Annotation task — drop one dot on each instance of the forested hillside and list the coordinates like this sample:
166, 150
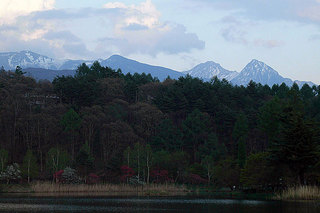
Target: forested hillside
187, 131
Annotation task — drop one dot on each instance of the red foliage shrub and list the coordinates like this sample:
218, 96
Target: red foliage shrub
160, 176
93, 178
196, 179
126, 172
58, 176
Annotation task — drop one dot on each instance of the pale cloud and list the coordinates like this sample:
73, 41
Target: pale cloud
138, 29
36, 34
268, 43
271, 10
312, 13
126, 29
172, 39
237, 30
315, 37
11, 9
234, 34
113, 5
143, 14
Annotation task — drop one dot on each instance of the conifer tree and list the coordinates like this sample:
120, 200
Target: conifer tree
298, 143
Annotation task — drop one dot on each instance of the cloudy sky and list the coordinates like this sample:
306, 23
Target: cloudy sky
177, 34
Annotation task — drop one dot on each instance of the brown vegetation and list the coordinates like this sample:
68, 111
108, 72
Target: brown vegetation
299, 193
156, 189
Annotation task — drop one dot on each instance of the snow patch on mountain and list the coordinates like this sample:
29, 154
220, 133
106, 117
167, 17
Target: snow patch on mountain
256, 71
27, 59
260, 72
210, 69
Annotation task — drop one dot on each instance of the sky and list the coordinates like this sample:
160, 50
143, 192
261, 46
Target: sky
177, 34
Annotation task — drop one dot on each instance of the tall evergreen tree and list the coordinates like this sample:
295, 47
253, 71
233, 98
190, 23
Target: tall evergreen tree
168, 137
240, 131
71, 122
195, 130
298, 143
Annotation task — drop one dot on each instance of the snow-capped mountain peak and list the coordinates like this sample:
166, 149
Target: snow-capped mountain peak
210, 69
259, 72
256, 70
26, 59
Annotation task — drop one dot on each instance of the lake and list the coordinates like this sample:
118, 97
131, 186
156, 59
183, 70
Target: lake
149, 204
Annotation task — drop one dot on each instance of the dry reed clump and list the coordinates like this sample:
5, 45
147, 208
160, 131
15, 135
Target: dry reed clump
299, 193
46, 187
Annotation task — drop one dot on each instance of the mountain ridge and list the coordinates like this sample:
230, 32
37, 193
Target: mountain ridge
40, 66
210, 69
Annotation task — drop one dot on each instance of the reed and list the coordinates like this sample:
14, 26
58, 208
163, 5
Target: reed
299, 193
47, 187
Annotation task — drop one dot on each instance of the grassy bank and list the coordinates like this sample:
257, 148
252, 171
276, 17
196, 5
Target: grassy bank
299, 193
54, 188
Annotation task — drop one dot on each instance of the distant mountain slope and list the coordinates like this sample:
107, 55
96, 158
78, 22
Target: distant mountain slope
210, 69
46, 74
26, 59
49, 68
259, 72
71, 64
128, 65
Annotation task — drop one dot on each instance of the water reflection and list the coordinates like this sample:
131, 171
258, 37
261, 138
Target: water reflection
146, 204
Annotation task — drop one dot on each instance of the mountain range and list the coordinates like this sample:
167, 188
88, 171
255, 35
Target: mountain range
43, 67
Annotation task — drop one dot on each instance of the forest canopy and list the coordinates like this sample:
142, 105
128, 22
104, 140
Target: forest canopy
187, 130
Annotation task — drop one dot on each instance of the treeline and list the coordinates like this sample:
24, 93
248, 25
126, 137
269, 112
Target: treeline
187, 131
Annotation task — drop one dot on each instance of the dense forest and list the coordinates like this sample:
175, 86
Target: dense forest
118, 127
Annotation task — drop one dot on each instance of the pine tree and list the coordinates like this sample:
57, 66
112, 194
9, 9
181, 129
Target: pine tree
239, 134
242, 154
71, 122
298, 143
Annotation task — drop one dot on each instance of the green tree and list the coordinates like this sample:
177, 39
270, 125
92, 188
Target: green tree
57, 160
298, 143
30, 167
168, 138
306, 92
240, 128
212, 147
242, 153
85, 160
2, 70
197, 169
227, 173
257, 173
19, 71
195, 129
71, 123
239, 134
269, 118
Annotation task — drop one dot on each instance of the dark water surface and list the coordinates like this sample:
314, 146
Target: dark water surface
149, 204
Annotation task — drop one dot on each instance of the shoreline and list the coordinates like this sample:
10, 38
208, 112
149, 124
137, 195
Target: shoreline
47, 189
